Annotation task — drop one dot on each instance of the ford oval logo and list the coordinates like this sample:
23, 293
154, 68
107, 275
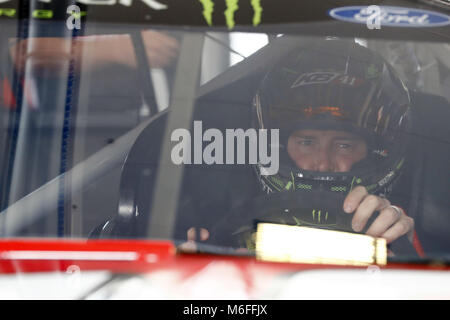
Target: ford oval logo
391, 16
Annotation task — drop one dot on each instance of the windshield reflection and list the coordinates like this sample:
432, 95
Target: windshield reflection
196, 137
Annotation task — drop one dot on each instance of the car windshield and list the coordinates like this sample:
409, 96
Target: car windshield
117, 122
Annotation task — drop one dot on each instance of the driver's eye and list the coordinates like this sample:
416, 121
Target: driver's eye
344, 145
305, 142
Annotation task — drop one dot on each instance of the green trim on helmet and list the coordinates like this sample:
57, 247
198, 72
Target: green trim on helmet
290, 182
276, 182
339, 188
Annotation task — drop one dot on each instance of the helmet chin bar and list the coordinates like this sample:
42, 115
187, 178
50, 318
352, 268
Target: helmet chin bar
291, 178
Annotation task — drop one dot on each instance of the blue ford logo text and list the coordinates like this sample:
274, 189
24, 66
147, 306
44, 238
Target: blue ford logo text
391, 16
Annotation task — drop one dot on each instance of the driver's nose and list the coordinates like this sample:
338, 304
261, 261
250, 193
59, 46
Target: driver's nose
323, 160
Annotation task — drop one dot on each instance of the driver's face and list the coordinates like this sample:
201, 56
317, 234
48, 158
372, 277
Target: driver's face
325, 150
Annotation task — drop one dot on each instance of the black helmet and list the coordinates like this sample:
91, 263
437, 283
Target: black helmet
335, 85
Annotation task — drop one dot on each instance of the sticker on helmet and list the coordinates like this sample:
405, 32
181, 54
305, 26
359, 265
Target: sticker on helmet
326, 77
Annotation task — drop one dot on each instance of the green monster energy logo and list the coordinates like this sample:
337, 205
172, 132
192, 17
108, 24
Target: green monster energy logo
318, 215
7, 12
232, 7
319, 219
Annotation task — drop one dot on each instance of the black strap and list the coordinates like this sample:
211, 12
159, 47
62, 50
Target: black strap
143, 69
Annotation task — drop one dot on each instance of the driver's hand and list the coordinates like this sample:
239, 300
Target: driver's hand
390, 223
193, 236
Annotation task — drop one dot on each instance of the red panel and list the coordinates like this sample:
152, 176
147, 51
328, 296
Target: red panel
58, 255
17, 256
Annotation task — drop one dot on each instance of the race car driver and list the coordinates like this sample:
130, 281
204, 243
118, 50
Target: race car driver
342, 114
